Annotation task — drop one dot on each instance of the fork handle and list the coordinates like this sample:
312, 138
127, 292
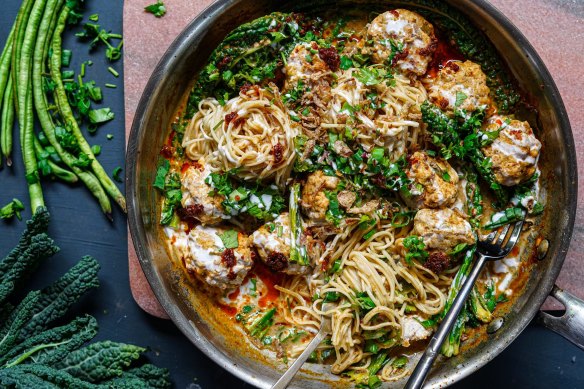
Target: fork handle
288, 376
427, 360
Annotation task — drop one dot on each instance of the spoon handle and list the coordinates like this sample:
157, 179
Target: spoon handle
427, 360
292, 370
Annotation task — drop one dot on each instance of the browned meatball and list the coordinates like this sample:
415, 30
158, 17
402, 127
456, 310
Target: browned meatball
442, 229
409, 30
515, 151
434, 182
461, 85
314, 202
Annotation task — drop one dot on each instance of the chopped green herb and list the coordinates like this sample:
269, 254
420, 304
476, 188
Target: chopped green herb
111, 86
161, 172
12, 209
460, 98
116, 174
229, 239
113, 71
94, 18
96, 149
102, 115
109, 136
157, 9
416, 249
346, 62
66, 57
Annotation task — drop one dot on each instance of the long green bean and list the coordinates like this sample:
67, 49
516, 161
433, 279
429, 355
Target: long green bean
5, 60
25, 107
7, 122
68, 117
42, 110
19, 32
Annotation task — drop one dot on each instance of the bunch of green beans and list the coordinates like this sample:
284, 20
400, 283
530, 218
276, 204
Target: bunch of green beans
31, 56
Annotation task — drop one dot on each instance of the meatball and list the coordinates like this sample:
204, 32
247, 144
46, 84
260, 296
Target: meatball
272, 242
434, 182
405, 28
304, 64
196, 199
461, 85
314, 202
515, 151
442, 229
204, 255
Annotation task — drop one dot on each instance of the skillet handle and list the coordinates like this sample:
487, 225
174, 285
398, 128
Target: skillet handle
571, 324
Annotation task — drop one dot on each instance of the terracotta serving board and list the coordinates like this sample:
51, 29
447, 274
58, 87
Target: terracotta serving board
146, 38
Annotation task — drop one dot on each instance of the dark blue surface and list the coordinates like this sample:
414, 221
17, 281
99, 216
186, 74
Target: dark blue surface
537, 359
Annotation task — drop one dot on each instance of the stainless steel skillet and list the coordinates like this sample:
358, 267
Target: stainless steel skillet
171, 80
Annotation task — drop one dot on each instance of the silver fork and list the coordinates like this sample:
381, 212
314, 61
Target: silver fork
324, 330
494, 247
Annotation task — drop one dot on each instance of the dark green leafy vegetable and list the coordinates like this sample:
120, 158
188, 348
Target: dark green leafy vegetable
52, 346
32, 355
252, 53
57, 298
100, 360
458, 137
157, 9
12, 209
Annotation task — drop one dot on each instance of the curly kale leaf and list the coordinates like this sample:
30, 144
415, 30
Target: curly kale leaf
57, 298
40, 377
474, 45
100, 361
40, 247
10, 329
37, 225
251, 53
145, 376
52, 346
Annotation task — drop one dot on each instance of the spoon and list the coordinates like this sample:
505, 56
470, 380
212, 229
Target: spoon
325, 329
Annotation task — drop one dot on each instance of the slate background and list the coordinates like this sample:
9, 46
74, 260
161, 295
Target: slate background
537, 359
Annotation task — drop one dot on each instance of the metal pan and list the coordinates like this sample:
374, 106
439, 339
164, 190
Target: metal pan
171, 80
